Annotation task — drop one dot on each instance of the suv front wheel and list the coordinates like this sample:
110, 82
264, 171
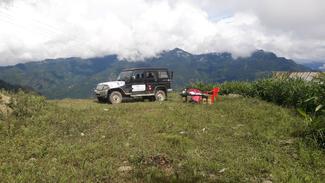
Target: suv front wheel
160, 95
115, 97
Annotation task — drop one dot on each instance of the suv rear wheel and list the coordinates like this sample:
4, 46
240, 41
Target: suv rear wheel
115, 97
160, 95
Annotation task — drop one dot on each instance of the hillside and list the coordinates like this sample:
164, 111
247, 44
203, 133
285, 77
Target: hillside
75, 77
9, 87
236, 140
318, 66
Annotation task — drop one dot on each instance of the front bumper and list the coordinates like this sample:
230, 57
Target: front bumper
101, 93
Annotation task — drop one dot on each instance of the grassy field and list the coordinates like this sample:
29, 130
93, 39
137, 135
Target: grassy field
236, 140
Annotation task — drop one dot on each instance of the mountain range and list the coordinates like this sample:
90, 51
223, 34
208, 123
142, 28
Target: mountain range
76, 77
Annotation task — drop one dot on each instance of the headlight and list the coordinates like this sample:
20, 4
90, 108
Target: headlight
99, 87
105, 87
102, 87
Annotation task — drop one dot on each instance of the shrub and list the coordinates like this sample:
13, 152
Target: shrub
241, 88
202, 86
25, 105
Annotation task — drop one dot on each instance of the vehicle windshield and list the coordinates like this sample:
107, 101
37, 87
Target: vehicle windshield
124, 76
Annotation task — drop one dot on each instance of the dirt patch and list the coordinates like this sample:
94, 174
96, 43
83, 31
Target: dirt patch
161, 161
158, 160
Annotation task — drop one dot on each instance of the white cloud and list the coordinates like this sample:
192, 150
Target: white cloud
133, 29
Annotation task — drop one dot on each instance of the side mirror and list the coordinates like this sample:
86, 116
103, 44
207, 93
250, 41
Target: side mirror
171, 75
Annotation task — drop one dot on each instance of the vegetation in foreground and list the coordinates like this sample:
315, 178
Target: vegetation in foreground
308, 97
236, 140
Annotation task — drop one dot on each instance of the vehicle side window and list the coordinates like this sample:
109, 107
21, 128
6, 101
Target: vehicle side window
163, 75
150, 75
138, 75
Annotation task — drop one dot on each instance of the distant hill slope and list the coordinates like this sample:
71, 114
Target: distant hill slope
9, 87
14, 88
6, 86
75, 77
317, 66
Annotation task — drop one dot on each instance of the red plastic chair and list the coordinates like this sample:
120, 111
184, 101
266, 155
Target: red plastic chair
214, 95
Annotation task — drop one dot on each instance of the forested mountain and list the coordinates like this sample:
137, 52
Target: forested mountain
76, 77
9, 87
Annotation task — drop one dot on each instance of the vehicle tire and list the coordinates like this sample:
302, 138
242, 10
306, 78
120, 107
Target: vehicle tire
160, 95
115, 97
102, 100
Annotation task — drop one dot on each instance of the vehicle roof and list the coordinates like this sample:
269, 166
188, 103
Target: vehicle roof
145, 68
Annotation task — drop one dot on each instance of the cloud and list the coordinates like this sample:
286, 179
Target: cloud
136, 29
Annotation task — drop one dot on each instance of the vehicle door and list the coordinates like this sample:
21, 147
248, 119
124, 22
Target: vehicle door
164, 79
151, 81
138, 82
126, 77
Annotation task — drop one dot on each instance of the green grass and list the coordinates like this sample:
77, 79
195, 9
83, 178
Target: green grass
235, 140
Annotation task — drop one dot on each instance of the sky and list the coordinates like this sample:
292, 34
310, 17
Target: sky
32, 30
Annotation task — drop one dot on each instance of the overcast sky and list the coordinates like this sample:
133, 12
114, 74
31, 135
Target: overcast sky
134, 29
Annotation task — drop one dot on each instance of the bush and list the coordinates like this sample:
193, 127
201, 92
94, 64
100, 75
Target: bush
242, 88
25, 105
202, 86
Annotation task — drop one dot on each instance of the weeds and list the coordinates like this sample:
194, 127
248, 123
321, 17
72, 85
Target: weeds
26, 105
